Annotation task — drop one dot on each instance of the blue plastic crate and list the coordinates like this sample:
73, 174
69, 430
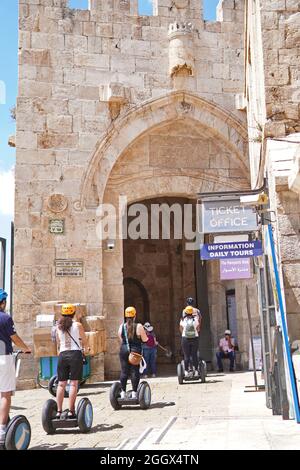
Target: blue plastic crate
48, 368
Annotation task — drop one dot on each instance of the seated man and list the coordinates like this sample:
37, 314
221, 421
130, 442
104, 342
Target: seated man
227, 347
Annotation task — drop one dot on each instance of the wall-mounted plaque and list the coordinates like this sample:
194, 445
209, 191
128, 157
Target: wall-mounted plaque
57, 226
68, 268
57, 203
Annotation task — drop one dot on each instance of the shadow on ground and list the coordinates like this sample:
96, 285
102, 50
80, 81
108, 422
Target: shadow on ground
94, 430
50, 447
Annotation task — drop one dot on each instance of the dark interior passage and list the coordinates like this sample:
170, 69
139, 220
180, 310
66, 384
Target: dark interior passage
158, 277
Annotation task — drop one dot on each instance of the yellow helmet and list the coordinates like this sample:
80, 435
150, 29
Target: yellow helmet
130, 312
68, 309
189, 310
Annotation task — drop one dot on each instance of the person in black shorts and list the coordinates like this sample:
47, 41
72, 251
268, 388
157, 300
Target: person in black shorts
131, 335
71, 339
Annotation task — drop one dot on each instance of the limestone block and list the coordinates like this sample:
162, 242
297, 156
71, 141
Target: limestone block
74, 76
104, 30
47, 41
93, 342
89, 28
291, 274
33, 89
293, 34
60, 124
76, 43
93, 323
26, 140
35, 57
95, 45
292, 5
49, 140
100, 61
290, 248
277, 5
277, 75
97, 369
88, 93
123, 64
28, 72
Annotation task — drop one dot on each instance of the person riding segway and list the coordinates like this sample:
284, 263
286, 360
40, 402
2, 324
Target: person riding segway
72, 342
131, 335
191, 368
15, 433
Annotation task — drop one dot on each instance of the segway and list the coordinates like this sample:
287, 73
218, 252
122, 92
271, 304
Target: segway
143, 396
18, 431
83, 420
53, 384
202, 372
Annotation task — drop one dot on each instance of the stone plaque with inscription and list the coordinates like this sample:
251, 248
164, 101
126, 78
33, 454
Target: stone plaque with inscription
57, 226
68, 268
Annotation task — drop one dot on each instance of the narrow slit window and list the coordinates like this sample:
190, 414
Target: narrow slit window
145, 7
79, 4
210, 9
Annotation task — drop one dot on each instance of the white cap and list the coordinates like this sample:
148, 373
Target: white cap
148, 327
227, 332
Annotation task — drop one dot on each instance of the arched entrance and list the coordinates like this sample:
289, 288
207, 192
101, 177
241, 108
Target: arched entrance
173, 147
136, 294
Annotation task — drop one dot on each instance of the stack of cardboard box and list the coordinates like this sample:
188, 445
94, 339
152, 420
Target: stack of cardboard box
50, 312
96, 334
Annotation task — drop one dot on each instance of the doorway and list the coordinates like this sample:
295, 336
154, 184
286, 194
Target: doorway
159, 274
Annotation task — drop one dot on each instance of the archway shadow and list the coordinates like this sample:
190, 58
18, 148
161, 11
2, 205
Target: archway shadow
197, 382
95, 429
88, 394
162, 405
50, 447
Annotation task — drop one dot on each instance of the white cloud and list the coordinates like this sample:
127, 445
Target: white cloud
7, 190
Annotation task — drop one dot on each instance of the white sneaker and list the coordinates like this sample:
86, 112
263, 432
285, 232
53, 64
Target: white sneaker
134, 395
123, 395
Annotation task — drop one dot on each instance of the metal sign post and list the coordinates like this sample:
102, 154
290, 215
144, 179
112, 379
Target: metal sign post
2, 262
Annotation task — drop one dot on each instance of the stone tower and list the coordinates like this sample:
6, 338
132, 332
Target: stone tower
108, 104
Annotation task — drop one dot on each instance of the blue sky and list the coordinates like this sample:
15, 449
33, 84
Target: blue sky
8, 81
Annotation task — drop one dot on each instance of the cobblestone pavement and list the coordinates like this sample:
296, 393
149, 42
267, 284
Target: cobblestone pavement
215, 415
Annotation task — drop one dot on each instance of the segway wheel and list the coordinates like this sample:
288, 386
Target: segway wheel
85, 415
48, 414
114, 394
180, 373
53, 384
18, 434
144, 395
203, 371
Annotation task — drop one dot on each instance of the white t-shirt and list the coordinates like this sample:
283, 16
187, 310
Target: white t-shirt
66, 342
224, 344
185, 321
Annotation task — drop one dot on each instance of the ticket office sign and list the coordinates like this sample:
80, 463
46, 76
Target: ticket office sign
227, 217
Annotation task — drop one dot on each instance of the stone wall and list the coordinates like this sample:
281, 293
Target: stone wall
90, 82
281, 43
274, 27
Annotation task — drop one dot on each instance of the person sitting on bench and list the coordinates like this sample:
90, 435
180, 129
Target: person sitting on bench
227, 346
